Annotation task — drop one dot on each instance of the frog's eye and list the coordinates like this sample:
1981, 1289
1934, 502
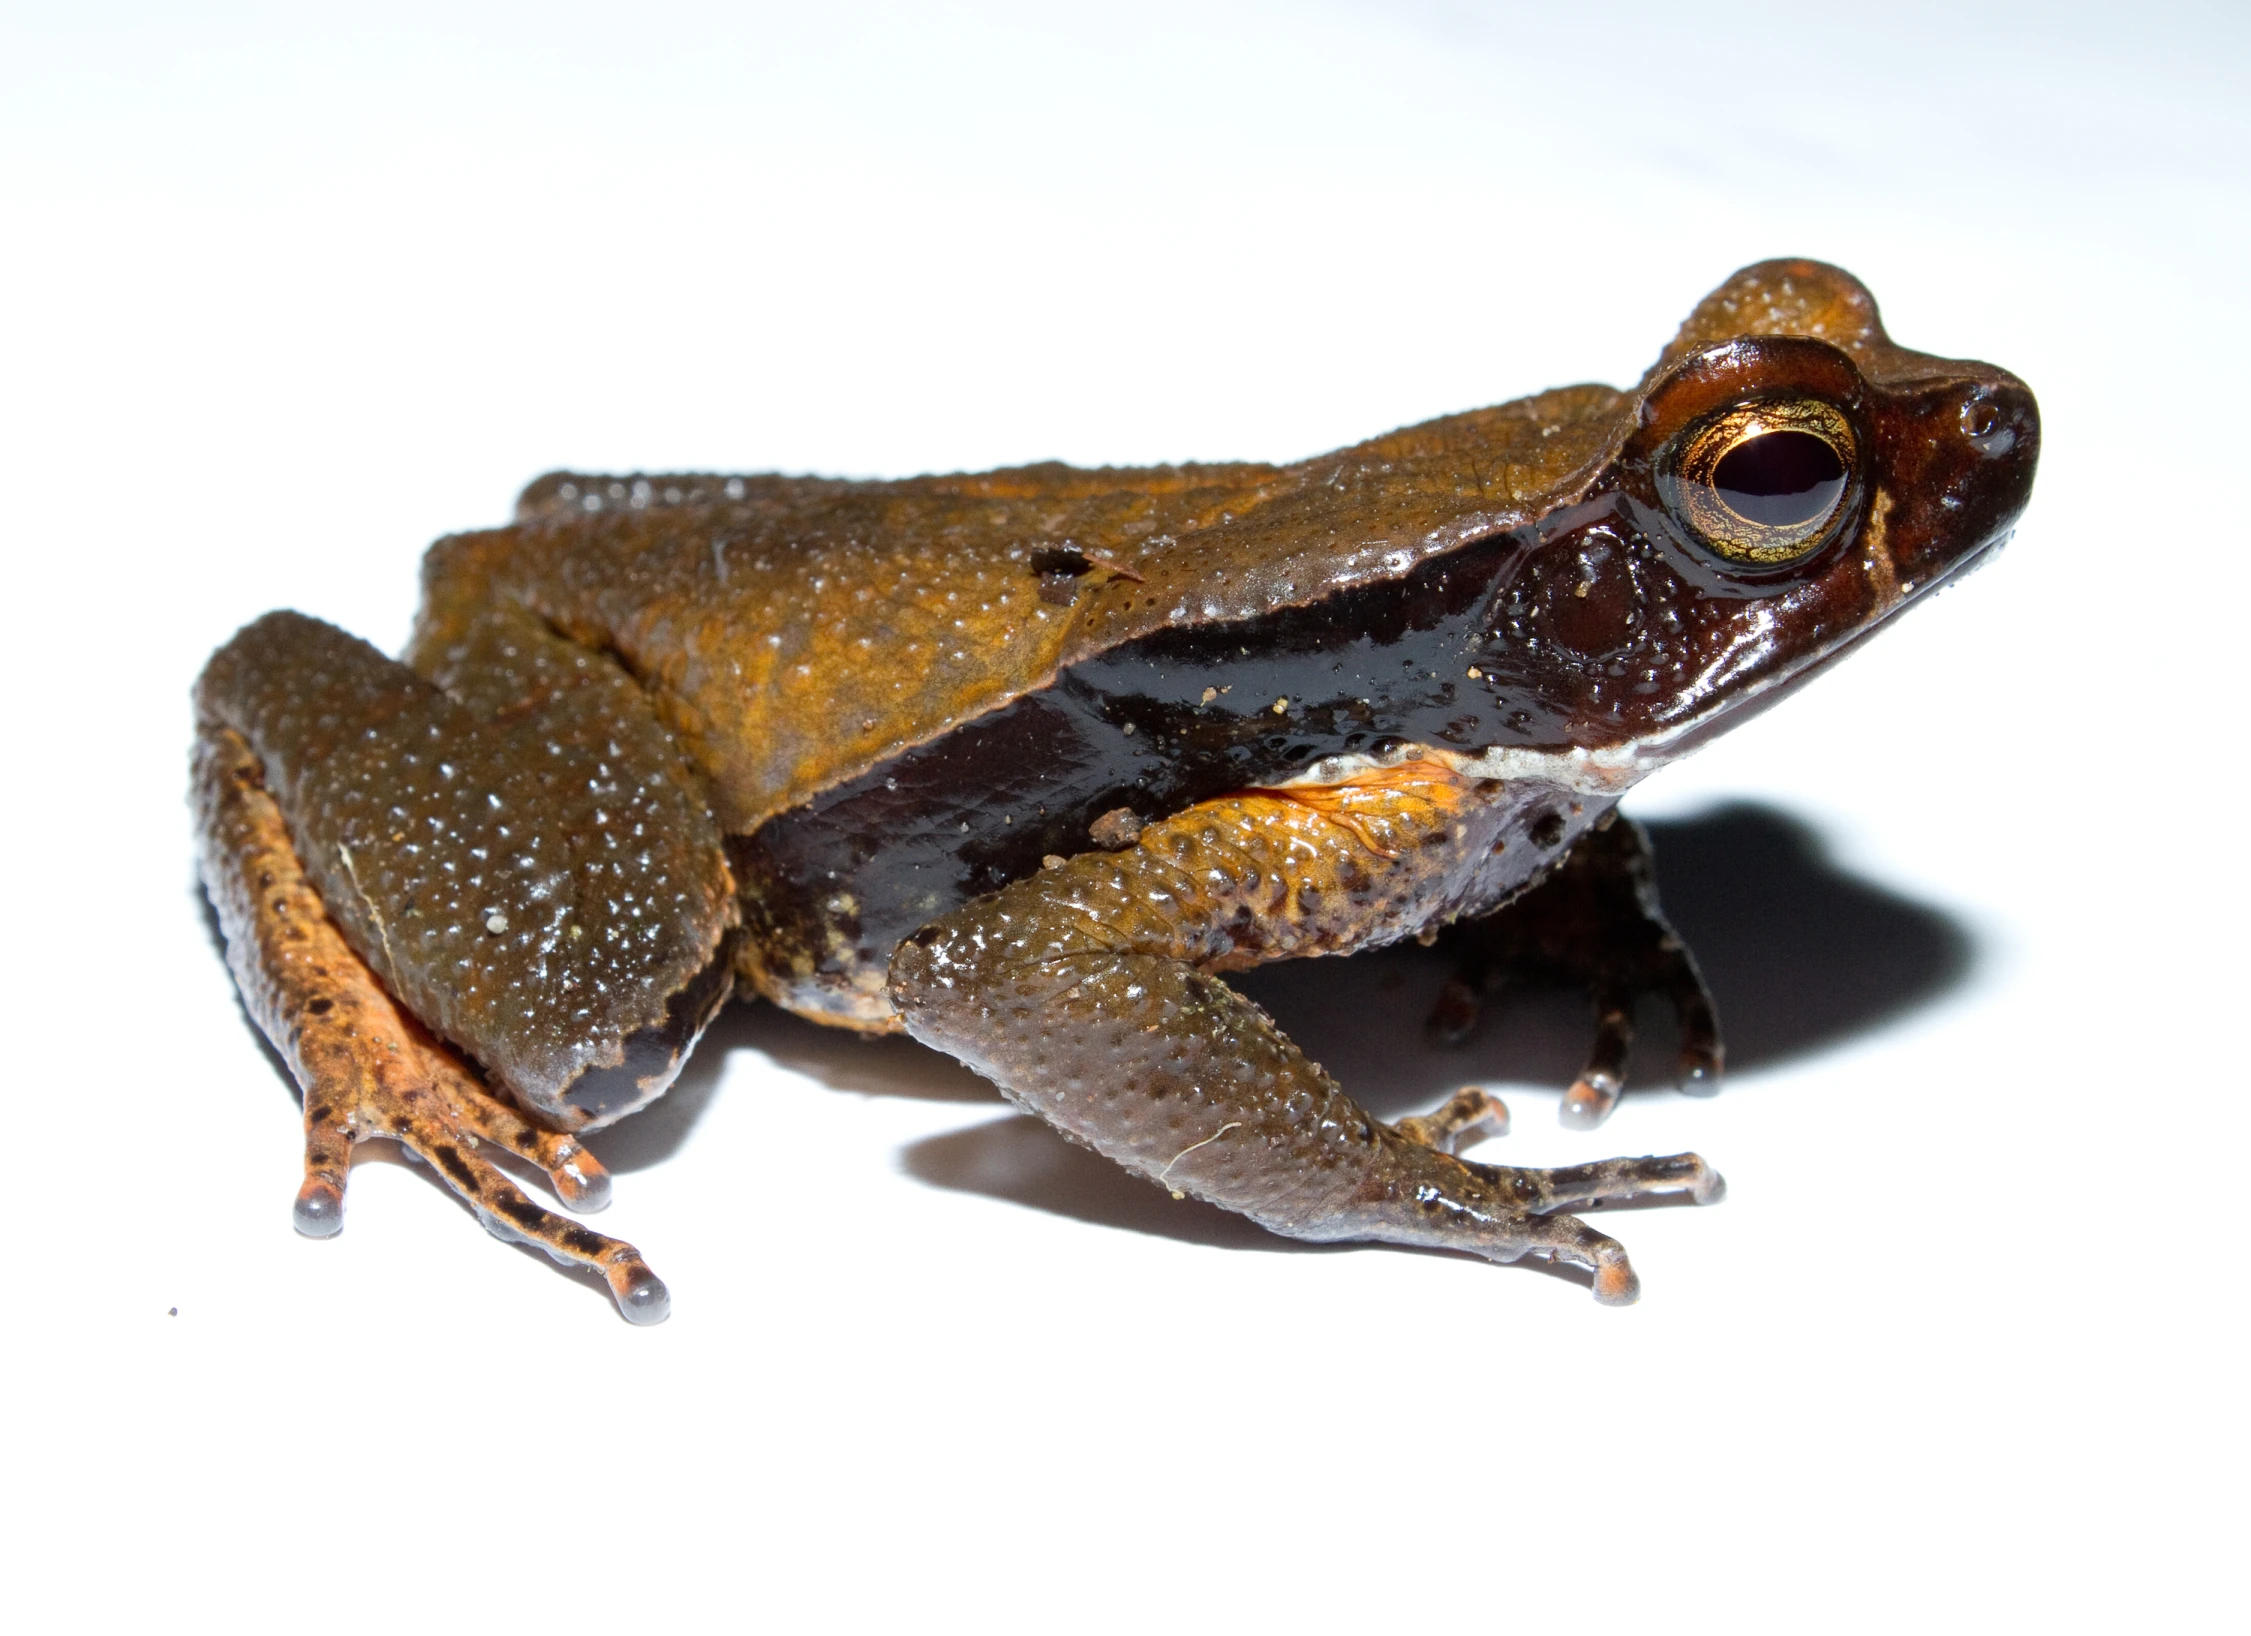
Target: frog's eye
1763, 483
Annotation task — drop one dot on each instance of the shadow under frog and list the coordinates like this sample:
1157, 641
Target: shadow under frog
1801, 955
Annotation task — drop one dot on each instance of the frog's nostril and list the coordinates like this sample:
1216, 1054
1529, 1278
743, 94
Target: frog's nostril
1995, 420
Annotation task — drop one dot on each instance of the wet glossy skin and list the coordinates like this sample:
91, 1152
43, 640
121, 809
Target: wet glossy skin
822, 734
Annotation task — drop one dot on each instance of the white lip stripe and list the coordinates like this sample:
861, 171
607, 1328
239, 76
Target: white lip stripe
1609, 771
1605, 772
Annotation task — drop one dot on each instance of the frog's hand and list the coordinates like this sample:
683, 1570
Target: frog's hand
1086, 993
1596, 921
515, 862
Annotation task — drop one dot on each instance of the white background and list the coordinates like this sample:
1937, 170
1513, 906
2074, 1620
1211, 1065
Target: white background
283, 298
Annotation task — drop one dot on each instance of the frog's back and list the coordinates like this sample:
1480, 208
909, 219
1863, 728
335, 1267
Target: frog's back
799, 631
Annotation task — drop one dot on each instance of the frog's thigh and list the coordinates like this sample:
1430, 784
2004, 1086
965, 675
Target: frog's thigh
1087, 993
519, 853
366, 1068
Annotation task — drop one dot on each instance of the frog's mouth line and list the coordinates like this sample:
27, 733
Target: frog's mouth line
1613, 769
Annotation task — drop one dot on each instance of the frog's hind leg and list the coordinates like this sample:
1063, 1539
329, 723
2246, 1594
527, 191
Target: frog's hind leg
367, 1069
503, 849
1596, 920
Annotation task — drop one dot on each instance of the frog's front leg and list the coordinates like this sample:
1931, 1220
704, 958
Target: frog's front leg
516, 862
1088, 993
1596, 921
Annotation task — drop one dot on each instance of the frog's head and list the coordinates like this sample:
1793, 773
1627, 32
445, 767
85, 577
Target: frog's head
1785, 480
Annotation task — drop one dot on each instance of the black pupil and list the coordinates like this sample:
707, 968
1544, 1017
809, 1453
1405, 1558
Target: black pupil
1780, 479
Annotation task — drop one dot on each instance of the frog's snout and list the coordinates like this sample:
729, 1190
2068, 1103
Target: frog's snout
2000, 424
1965, 462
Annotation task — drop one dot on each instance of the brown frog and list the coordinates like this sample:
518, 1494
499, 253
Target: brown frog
1021, 762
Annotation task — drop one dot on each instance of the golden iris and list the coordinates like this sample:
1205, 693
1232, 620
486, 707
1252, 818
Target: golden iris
1763, 483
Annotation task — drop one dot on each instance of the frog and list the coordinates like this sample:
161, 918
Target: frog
1024, 763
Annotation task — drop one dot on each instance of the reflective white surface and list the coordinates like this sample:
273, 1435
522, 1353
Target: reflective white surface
287, 298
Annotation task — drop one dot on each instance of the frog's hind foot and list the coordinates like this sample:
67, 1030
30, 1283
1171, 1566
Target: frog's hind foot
367, 1069
1595, 921
440, 1116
